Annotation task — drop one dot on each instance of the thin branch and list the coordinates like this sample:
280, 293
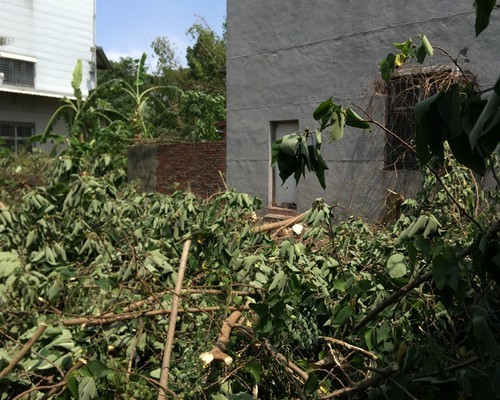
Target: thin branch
19, 356
395, 382
109, 319
366, 383
349, 346
395, 296
165, 366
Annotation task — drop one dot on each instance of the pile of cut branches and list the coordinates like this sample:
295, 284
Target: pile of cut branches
110, 293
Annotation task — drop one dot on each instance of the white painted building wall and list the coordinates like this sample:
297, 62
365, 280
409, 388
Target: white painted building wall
55, 34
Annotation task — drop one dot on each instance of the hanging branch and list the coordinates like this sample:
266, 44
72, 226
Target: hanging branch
165, 366
19, 356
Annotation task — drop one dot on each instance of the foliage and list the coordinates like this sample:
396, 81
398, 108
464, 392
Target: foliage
207, 57
409, 309
292, 154
87, 244
186, 101
199, 113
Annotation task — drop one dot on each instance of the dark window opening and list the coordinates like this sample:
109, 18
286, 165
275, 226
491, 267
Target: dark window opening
15, 136
406, 90
17, 72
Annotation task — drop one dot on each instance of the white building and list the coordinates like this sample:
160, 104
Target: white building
40, 43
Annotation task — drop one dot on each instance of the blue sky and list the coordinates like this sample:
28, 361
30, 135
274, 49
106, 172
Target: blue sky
126, 28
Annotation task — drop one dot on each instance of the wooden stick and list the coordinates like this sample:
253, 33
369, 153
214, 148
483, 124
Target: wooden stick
165, 366
19, 356
279, 224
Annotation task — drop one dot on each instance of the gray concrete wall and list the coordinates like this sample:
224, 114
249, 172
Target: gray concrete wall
286, 56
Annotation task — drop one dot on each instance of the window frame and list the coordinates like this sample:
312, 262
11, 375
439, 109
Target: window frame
414, 86
17, 70
15, 137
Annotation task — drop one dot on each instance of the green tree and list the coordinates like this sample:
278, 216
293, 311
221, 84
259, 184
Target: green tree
207, 58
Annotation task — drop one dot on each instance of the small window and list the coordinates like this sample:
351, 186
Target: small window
407, 89
17, 72
14, 136
404, 93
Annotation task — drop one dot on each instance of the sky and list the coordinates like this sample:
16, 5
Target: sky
126, 28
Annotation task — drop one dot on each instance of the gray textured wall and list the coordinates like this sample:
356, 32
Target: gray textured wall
285, 56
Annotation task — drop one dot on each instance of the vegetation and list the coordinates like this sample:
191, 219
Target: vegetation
187, 101
88, 265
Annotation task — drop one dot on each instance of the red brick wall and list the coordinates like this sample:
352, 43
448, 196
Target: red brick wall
193, 166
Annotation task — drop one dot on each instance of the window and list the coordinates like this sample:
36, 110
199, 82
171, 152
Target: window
14, 136
403, 95
406, 90
17, 72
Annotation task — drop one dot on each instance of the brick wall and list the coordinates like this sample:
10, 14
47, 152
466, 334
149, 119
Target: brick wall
180, 166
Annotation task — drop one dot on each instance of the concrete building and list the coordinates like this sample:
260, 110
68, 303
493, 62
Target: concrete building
286, 56
40, 43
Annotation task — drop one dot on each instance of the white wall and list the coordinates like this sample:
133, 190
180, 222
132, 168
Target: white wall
55, 32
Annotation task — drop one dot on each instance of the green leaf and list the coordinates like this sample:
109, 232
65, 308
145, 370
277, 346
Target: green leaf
322, 112
338, 124
219, 397
9, 262
72, 384
427, 46
354, 120
240, 396
429, 139
422, 245
255, 369
278, 281
76, 82
484, 134
484, 339
483, 12
387, 67
99, 369
342, 316
155, 373
445, 270
87, 389
54, 291
311, 384
396, 265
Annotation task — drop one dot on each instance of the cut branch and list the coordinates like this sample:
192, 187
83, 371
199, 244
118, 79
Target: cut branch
19, 356
218, 351
165, 366
279, 224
